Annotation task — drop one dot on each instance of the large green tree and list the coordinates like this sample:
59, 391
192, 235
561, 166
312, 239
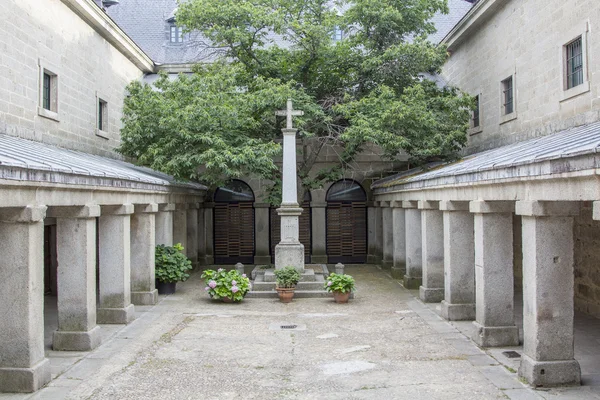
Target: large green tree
367, 88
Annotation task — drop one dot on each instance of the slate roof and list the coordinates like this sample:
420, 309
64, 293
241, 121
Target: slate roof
26, 160
546, 155
145, 21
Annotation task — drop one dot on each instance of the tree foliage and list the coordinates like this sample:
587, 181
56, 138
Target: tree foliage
368, 88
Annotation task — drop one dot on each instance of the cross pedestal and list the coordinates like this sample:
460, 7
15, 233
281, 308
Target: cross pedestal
289, 251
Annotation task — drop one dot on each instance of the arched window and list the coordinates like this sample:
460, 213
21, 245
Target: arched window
305, 228
346, 222
234, 224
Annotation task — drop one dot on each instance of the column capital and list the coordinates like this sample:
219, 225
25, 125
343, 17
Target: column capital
209, 204
410, 204
396, 204
87, 211
597, 210
451, 205
384, 204
23, 214
181, 206
428, 205
117, 209
491, 207
166, 207
529, 208
262, 205
289, 131
193, 206
145, 208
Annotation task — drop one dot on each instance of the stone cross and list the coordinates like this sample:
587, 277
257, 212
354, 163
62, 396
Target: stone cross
289, 113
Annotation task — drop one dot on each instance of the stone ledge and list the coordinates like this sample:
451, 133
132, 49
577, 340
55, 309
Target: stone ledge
25, 380
76, 341
495, 336
116, 315
458, 312
550, 373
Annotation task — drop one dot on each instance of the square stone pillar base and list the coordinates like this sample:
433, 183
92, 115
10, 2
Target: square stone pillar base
318, 259
262, 260
387, 264
412, 283
289, 255
431, 295
550, 373
373, 259
25, 380
144, 298
495, 336
398, 272
458, 312
76, 341
116, 315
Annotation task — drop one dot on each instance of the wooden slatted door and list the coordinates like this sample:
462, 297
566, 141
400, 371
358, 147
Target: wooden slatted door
234, 233
347, 232
305, 231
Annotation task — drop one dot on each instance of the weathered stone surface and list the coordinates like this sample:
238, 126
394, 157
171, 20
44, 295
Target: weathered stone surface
412, 279
143, 243
432, 231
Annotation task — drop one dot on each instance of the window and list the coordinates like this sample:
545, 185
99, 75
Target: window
176, 34
48, 91
476, 113
102, 115
507, 96
338, 34
574, 58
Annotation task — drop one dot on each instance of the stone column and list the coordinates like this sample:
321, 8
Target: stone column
596, 214
414, 266
399, 237
164, 224
319, 233
209, 232
192, 234
459, 262
262, 233
494, 277
201, 236
180, 225
387, 235
548, 280
432, 232
115, 265
143, 247
374, 228
76, 278
23, 366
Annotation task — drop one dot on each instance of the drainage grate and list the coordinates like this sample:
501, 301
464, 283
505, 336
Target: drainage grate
511, 354
288, 326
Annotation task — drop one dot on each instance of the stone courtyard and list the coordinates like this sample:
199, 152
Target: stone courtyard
384, 344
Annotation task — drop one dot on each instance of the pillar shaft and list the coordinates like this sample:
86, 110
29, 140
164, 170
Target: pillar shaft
180, 227
459, 265
23, 366
164, 224
432, 232
374, 239
115, 267
209, 232
414, 266
399, 238
548, 308
387, 236
76, 278
201, 237
262, 233
319, 232
494, 279
192, 234
143, 246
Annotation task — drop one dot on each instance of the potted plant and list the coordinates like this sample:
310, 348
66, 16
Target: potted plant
171, 266
227, 286
287, 278
341, 285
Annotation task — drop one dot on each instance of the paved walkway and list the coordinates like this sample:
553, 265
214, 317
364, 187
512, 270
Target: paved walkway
383, 345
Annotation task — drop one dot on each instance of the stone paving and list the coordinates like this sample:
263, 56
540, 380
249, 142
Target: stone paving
384, 344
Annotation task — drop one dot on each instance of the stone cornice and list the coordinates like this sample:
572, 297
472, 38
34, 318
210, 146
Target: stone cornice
480, 12
109, 30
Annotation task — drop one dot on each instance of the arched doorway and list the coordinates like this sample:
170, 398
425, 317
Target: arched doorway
305, 229
346, 222
234, 224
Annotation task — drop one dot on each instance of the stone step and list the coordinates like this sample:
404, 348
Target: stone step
268, 286
307, 276
298, 294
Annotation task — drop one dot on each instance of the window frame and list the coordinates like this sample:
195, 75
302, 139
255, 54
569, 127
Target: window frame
102, 131
504, 115
473, 129
334, 34
50, 110
178, 33
567, 92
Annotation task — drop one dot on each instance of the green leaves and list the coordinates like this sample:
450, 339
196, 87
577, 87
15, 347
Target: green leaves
339, 283
287, 277
170, 264
229, 284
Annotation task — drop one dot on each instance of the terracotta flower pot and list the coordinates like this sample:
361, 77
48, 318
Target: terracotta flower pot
285, 294
340, 297
226, 300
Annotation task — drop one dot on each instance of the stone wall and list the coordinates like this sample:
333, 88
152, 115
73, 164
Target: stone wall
34, 32
587, 262
526, 39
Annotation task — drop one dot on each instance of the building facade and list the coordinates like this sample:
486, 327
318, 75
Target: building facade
518, 215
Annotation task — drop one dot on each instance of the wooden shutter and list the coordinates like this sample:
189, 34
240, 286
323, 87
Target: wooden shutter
305, 231
234, 233
347, 232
